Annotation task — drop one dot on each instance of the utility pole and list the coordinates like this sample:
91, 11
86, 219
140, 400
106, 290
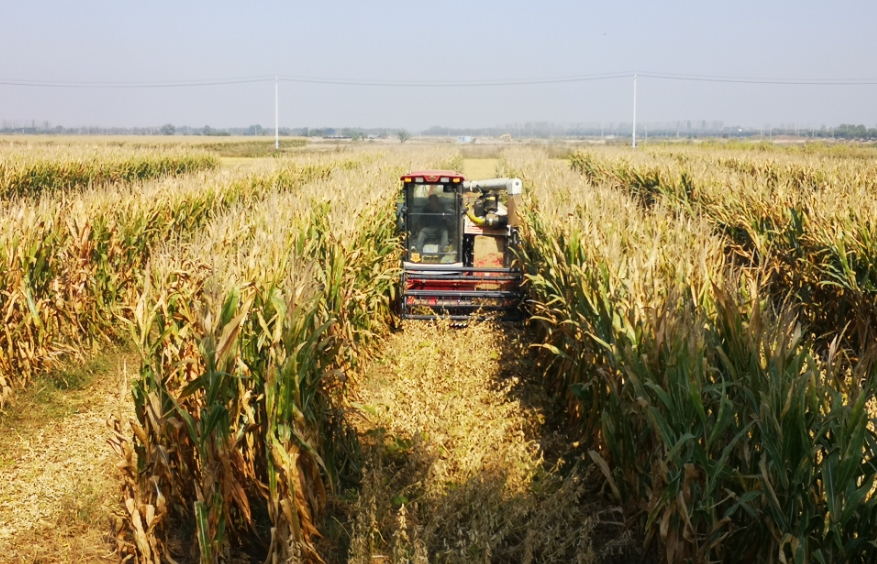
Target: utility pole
276, 114
633, 133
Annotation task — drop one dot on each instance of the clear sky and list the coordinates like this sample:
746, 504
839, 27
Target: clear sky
385, 40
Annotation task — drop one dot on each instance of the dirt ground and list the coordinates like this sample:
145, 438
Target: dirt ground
456, 447
57, 476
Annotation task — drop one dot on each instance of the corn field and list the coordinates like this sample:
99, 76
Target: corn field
38, 170
248, 332
72, 266
702, 319
708, 318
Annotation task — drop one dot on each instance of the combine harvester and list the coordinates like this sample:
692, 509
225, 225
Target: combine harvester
459, 238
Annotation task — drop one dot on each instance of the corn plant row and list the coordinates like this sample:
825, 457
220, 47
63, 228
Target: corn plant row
809, 222
714, 420
246, 333
29, 174
71, 267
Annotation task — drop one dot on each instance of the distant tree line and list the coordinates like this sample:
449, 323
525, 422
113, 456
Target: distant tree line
679, 129
850, 131
608, 130
355, 133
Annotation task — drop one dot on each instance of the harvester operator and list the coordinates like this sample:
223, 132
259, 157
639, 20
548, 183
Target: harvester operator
434, 226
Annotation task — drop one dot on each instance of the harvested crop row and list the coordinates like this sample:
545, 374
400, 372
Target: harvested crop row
72, 266
451, 428
726, 435
245, 332
36, 172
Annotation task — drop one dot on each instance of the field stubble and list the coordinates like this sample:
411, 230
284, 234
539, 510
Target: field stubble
57, 472
454, 437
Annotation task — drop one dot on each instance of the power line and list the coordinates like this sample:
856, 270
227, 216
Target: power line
312, 80
456, 83
475, 83
109, 84
753, 80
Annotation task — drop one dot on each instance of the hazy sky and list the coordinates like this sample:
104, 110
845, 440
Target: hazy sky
438, 40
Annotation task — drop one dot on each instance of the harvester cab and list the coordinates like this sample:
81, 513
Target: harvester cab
459, 240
